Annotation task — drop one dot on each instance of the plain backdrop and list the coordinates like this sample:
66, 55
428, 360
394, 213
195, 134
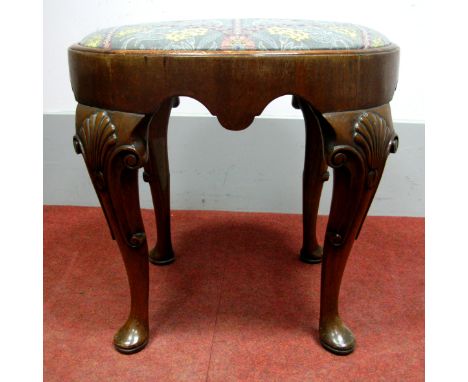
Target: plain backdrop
441, 69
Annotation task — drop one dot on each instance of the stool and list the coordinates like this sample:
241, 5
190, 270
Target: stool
127, 79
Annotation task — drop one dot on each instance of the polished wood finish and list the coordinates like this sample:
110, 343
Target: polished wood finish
157, 175
358, 144
235, 87
113, 147
315, 173
343, 96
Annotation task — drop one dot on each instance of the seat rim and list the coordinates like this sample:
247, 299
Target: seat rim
229, 53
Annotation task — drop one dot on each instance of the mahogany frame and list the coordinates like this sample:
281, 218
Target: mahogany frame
124, 103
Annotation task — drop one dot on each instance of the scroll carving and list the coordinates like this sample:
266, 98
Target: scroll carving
137, 240
358, 158
374, 139
133, 155
98, 141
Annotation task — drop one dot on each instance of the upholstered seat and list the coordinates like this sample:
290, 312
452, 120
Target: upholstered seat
243, 34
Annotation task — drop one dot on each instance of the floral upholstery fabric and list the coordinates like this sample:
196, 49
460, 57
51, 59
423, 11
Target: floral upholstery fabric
243, 34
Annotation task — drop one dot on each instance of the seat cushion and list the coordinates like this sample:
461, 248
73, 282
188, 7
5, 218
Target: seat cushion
243, 34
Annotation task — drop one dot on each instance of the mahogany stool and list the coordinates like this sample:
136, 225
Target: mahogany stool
127, 79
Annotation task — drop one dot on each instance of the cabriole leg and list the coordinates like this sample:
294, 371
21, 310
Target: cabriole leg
113, 149
315, 173
157, 175
357, 146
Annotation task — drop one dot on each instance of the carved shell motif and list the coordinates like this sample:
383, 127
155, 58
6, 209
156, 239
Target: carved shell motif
376, 139
95, 139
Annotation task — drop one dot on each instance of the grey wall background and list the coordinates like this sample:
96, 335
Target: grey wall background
258, 169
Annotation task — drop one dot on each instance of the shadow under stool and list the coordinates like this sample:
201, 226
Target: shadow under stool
127, 79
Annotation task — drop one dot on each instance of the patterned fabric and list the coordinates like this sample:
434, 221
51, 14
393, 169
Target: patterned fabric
244, 34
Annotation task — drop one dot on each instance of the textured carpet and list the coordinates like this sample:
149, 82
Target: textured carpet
237, 305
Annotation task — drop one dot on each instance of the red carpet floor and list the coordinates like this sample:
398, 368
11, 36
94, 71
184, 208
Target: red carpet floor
237, 305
